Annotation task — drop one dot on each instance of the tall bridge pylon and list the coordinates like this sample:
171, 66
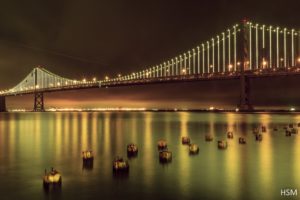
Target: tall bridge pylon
245, 87
38, 96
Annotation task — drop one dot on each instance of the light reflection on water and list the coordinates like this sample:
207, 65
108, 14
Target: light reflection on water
31, 142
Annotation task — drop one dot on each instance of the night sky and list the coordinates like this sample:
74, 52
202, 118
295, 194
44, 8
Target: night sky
77, 39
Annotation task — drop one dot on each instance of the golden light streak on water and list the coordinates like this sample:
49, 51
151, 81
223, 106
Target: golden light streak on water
67, 133
107, 136
50, 125
265, 167
231, 124
58, 134
21, 123
84, 132
12, 136
167, 128
210, 149
37, 134
183, 159
94, 134
106, 118
147, 149
232, 158
74, 134
133, 128
211, 125
119, 132
184, 116
28, 137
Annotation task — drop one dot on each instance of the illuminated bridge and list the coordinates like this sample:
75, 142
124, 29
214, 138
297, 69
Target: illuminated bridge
244, 51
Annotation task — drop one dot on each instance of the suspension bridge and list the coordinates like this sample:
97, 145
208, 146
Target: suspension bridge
244, 51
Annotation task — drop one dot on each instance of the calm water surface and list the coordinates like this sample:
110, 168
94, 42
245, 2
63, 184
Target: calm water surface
31, 142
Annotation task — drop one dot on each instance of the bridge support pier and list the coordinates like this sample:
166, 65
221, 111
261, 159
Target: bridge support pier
2, 104
245, 104
38, 102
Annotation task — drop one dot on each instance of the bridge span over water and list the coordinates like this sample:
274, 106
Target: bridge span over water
244, 51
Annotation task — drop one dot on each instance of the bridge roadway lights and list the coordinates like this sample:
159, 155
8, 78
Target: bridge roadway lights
2, 104
38, 102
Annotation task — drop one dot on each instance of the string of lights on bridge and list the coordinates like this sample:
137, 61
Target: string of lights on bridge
46, 80
220, 54
268, 48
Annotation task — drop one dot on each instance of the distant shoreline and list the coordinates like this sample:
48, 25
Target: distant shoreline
279, 111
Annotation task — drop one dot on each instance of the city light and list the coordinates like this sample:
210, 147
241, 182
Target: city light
264, 63
94, 79
95, 109
298, 60
84, 80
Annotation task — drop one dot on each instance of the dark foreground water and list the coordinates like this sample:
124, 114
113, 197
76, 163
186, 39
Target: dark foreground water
31, 142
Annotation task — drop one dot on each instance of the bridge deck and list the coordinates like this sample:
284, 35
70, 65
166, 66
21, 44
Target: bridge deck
169, 79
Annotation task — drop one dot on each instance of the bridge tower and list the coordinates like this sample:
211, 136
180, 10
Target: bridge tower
245, 103
2, 104
38, 102
38, 96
